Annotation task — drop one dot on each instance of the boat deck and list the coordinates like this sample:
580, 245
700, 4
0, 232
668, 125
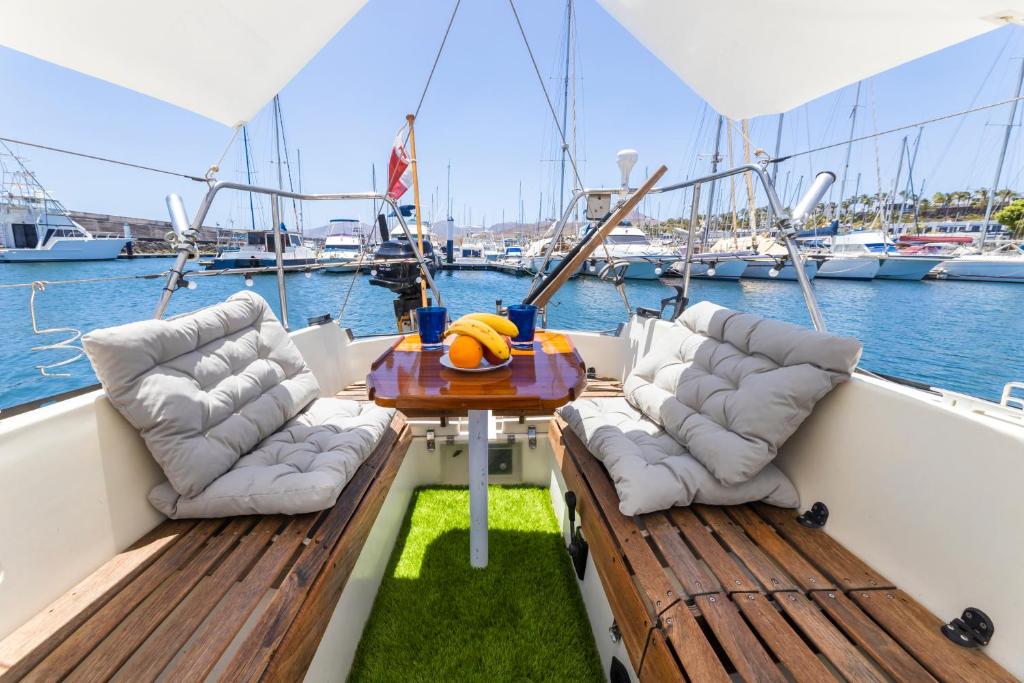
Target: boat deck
703, 593
233, 599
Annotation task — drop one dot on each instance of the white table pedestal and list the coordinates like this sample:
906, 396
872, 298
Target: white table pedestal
479, 421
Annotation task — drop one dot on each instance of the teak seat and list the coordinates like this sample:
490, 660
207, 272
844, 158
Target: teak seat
704, 592
241, 598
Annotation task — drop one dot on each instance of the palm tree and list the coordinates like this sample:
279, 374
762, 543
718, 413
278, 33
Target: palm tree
981, 198
942, 199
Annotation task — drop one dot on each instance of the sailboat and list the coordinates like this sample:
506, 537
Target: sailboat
241, 500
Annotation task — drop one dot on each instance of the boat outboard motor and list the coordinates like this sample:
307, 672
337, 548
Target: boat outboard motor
396, 269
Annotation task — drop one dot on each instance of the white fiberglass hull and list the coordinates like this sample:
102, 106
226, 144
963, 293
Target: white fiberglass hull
728, 269
983, 269
848, 267
759, 269
67, 250
906, 267
639, 268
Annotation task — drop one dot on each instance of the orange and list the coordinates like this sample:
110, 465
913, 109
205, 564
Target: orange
465, 352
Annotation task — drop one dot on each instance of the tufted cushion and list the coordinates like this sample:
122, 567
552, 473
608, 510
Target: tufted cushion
651, 470
301, 468
203, 388
732, 387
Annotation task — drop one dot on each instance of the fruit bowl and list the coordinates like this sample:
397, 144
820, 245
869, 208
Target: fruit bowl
483, 367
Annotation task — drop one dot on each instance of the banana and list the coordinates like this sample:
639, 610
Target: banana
483, 333
501, 325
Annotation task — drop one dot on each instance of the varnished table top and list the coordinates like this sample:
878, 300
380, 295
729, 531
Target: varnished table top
536, 382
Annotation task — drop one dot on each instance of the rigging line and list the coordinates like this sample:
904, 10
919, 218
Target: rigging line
105, 159
924, 122
216, 167
148, 276
288, 164
437, 58
547, 97
35, 180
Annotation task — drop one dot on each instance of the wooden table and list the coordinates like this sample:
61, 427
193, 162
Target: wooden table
538, 381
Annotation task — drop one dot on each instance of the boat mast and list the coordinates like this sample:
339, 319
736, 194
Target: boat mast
248, 174
908, 190
849, 148
778, 148
715, 158
277, 145
565, 102
1002, 158
895, 185
751, 207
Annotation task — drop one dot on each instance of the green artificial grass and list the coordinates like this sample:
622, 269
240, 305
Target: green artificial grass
437, 619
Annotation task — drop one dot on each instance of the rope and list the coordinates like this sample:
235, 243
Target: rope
547, 97
344, 304
63, 345
104, 159
924, 122
437, 57
45, 283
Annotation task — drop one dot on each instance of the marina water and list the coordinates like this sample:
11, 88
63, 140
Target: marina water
964, 336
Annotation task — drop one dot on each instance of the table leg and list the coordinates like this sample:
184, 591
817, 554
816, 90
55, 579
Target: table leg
478, 465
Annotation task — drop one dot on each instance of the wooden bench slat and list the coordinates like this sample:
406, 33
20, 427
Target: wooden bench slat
634, 617
127, 636
28, 645
802, 664
806, 575
646, 567
153, 655
658, 665
680, 558
842, 566
73, 649
886, 652
211, 640
769, 574
846, 658
292, 658
259, 645
742, 647
918, 630
729, 573
693, 649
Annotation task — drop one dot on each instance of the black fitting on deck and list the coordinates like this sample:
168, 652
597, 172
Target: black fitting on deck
577, 548
814, 518
972, 629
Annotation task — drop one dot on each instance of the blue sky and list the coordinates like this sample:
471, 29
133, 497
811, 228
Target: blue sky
486, 115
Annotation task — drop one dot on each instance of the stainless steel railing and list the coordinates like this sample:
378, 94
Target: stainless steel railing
185, 232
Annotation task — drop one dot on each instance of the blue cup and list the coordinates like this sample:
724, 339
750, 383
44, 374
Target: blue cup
524, 317
430, 320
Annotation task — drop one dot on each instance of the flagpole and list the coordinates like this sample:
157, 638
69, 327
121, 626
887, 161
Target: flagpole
416, 201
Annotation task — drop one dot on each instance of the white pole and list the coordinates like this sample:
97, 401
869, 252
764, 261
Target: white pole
479, 421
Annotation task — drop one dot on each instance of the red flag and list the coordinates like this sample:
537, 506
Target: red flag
398, 168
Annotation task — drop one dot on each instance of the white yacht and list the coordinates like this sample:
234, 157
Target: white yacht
342, 253
1005, 264
35, 227
630, 245
846, 266
257, 251
892, 264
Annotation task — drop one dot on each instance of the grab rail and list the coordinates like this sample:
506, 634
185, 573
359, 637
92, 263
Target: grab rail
1008, 399
185, 232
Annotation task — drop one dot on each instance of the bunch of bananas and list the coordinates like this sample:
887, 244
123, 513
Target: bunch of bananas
480, 336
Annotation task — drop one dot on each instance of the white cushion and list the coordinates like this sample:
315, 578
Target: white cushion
301, 468
203, 388
732, 387
651, 470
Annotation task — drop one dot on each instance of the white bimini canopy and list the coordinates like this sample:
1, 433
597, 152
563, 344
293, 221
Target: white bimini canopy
749, 58
224, 59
